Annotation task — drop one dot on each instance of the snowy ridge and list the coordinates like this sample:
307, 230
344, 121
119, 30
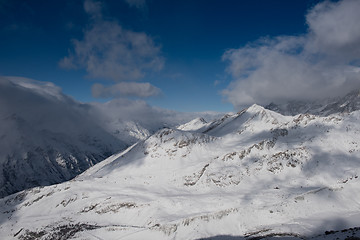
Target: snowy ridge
251, 174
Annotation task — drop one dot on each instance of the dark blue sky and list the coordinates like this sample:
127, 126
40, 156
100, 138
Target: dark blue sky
193, 35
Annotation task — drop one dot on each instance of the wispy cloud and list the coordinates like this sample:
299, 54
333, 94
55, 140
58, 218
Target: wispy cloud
318, 64
93, 9
108, 51
140, 4
125, 89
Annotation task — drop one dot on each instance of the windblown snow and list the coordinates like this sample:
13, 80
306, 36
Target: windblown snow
254, 174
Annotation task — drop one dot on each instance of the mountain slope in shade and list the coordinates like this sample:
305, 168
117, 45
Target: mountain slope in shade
46, 137
346, 104
251, 174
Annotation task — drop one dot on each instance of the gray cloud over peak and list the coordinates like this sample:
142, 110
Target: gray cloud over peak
44, 106
322, 63
108, 51
45, 89
334, 29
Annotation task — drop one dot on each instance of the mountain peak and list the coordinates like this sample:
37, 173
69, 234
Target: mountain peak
255, 108
193, 125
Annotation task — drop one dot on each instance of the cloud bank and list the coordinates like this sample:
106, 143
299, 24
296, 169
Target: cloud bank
44, 106
324, 62
108, 51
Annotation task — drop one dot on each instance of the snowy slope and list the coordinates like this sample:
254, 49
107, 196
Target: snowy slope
250, 174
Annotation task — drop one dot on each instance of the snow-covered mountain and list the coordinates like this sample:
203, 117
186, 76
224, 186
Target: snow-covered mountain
252, 174
325, 107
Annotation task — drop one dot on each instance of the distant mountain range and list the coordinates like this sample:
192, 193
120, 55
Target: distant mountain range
346, 104
255, 174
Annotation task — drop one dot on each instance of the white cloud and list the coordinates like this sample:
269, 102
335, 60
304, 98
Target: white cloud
334, 29
124, 89
316, 65
108, 51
